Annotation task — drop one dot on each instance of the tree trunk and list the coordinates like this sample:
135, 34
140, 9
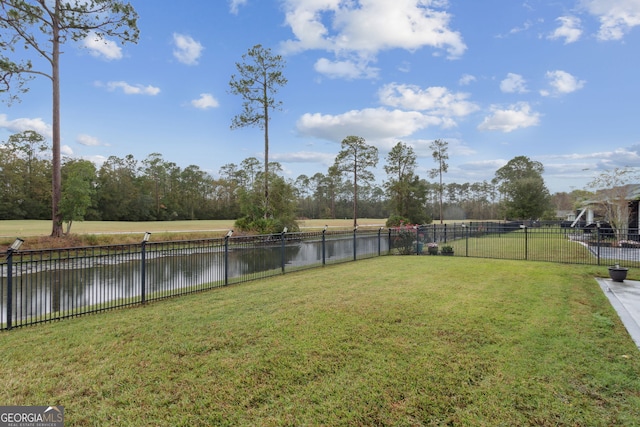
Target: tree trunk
266, 152
355, 193
56, 180
441, 191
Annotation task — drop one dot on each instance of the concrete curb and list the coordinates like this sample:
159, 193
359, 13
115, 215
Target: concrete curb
625, 299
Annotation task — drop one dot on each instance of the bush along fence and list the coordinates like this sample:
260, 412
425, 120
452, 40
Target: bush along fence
46, 285
41, 286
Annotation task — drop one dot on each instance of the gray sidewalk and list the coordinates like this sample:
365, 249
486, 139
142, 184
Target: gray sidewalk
625, 299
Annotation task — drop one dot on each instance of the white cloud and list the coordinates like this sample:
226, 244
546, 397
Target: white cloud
404, 67
187, 50
234, 5
629, 154
517, 116
88, 140
98, 160
345, 69
466, 80
569, 29
587, 164
493, 164
205, 101
524, 27
562, 83
514, 83
456, 147
370, 123
100, 47
414, 109
438, 101
132, 89
304, 157
23, 124
65, 150
617, 17
362, 29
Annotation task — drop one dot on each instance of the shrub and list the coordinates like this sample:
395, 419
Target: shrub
396, 221
404, 242
265, 226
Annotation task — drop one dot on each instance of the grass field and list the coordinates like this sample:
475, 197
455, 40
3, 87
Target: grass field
405, 341
13, 228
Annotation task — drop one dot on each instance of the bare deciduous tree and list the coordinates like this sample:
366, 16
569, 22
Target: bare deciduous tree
612, 191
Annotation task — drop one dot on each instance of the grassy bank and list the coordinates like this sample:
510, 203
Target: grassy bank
387, 341
95, 233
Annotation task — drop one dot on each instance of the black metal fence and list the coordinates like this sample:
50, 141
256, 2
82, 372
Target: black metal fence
41, 286
532, 241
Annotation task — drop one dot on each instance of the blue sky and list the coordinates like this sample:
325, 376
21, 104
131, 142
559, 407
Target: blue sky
554, 81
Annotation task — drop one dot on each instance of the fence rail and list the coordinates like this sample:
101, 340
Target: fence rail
41, 286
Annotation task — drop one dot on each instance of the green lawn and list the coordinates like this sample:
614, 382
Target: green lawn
403, 341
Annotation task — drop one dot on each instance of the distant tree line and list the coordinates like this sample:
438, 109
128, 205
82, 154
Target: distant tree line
155, 189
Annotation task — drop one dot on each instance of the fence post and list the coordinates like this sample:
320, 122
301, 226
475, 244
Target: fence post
143, 268
324, 246
389, 241
598, 241
282, 251
526, 242
226, 257
466, 239
379, 242
9, 287
354, 243
14, 247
